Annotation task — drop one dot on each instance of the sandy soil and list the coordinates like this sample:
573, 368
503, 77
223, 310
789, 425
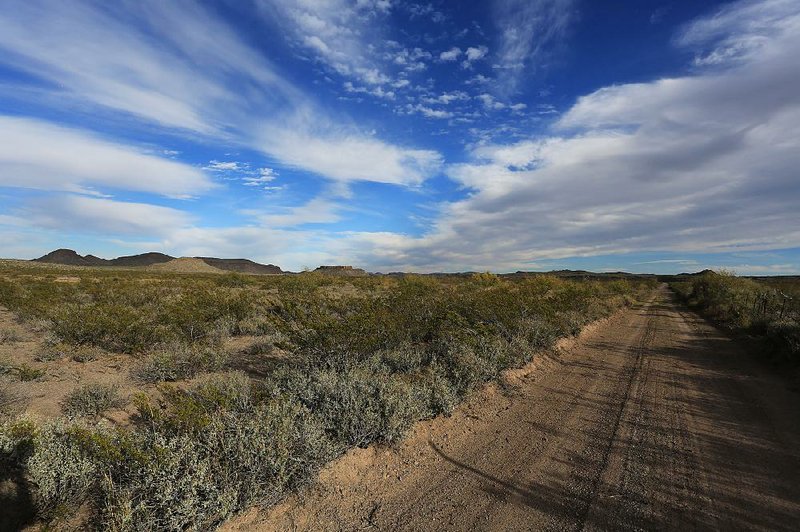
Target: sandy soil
653, 420
42, 398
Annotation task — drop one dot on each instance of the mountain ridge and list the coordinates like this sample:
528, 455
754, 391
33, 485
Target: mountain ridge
70, 257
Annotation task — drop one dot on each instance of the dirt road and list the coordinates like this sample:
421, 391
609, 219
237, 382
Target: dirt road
653, 420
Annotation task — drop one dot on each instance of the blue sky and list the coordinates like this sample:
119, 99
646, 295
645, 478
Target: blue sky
647, 135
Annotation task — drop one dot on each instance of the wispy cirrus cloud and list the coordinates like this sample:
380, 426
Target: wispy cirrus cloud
735, 32
38, 155
528, 30
338, 33
175, 65
171, 63
104, 216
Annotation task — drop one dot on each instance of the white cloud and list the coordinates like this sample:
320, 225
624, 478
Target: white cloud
478, 79
410, 60
760, 269
36, 154
378, 92
476, 53
338, 32
319, 210
98, 215
702, 163
345, 156
489, 101
262, 177
428, 112
447, 97
690, 262
528, 29
737, 31
223, 166
450, 55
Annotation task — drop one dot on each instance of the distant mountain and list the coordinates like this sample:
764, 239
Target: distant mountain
95, 261
344, 271
69, 257
241, 265
143, 259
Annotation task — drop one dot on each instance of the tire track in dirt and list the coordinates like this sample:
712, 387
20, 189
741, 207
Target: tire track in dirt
635, 372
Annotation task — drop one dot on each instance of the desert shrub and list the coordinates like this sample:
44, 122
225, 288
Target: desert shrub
198, 313
783, 338
27, 373
465, 368
52, 351
231, 391
38, 324
91, 400
433, 392
61, 471
404, 358
256, 325
261, 347
749, 306
9, 336
6, 366
235, 280
160, 478
235, 460
112, 326
16, 439
174, 362
538, 333
356, 405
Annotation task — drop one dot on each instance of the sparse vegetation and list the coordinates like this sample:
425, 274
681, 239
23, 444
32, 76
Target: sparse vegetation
177, 361
767, 311
9, 336
22, 372
362, 359
91, 400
